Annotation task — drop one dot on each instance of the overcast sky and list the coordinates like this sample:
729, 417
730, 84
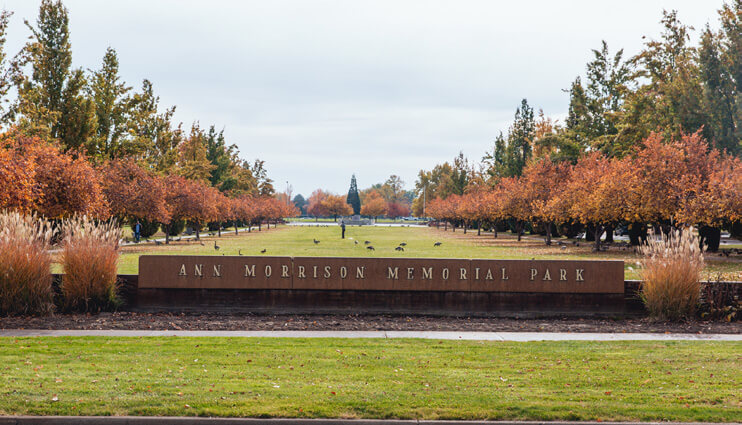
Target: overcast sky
325, 89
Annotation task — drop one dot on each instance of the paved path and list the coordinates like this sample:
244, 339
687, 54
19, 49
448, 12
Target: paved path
471, 336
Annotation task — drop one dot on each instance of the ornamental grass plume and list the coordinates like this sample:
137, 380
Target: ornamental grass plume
89, 260
25, 265
671, 275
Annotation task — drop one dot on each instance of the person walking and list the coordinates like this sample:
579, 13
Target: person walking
342, 229
137, 231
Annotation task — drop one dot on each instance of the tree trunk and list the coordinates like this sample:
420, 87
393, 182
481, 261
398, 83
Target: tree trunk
236, 229
219, 228
260, 225
445, 226
494, 230
548, 234
609, 233
479, 228
711, 237
167, 234
637, 233
197, 228
465, 227
598, 232
519, 229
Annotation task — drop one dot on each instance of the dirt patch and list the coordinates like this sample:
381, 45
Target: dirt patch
164, 321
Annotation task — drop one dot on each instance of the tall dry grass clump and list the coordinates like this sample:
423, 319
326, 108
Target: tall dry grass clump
25, 265
89, 261
671, 275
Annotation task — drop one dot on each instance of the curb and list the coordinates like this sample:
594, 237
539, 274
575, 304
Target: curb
141, 420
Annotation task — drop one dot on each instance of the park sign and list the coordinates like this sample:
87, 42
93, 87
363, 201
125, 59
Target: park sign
380, 274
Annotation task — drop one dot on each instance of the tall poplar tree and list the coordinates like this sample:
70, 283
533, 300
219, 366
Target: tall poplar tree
112, 105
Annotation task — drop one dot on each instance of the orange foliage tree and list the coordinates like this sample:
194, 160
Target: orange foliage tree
374, 204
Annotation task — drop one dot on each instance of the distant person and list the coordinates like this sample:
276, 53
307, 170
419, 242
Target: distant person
137, 231
342, 229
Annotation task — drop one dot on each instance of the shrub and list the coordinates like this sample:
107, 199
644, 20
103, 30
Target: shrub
89, 258
25, 265
176, 227
148, 229
671, 273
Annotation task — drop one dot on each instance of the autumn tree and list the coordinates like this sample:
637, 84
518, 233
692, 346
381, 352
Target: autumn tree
335, 205
374, 204
315, 204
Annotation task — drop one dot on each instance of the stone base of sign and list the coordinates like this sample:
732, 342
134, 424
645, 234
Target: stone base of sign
493, 304
455, 303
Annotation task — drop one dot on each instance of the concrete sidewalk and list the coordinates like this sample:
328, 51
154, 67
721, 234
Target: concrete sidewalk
470, 336
140, 420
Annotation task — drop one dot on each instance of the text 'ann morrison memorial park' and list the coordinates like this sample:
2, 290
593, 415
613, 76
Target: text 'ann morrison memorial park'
380, 274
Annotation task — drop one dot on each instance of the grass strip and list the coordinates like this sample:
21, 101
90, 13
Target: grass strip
361, 378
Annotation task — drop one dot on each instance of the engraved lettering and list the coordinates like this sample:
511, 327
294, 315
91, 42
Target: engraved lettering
462, 273
314, 272
476, 273
182, 271
301, 275
285, 271
218, 270
445, 273
562, 274
579, 275
268, 271
327, 272
249, 270
534, 272
392, 274
504, 276
427, 273
198, 270
489, 275
343, 272
547, 275
360, 272
410, 273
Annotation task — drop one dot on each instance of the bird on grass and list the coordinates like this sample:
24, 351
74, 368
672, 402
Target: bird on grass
202, 244
562, 247
437, 244
366, 242
216, 247
158, 242
370, 248
263, 251
239, 252
403, 244
399, 248
315, 241
356, 242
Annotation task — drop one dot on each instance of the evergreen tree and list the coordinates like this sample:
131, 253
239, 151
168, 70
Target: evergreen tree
353, 199
7, 71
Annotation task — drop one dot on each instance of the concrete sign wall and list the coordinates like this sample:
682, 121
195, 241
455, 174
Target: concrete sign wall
380, 274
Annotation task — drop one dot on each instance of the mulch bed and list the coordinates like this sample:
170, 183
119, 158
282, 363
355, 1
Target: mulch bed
185, 321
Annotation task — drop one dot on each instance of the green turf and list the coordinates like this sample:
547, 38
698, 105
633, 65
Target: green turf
298, 241
333, 378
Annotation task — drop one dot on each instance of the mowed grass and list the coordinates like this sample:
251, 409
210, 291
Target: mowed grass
298, 241
354, 378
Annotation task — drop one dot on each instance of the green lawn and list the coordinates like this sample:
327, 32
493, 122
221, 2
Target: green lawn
333, 378
297, 241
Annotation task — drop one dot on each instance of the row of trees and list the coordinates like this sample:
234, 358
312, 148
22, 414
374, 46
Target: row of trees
37, 176
676, 183
86, 142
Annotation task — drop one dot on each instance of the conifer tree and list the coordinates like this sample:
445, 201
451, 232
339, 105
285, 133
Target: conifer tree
353, 199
